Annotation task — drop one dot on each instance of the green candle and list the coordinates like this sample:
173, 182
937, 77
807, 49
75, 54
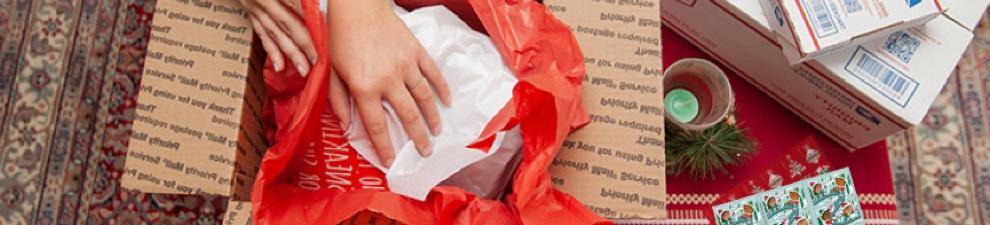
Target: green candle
682, 105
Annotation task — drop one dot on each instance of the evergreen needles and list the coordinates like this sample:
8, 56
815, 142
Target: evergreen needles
701, 153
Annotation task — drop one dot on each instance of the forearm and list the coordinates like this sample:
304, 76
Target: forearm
346, 9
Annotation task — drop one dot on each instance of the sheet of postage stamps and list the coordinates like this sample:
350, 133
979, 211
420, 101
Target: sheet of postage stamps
827, 199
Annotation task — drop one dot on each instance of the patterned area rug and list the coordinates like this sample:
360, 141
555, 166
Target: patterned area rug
942, 167
69, 71
68, 75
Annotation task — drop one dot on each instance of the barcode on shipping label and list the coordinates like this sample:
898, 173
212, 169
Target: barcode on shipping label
882, 77
821, 17
853, 6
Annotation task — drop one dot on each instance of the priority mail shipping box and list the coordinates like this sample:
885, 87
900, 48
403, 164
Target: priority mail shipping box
238, 213
810, 28
197, 126
966, 12
615, 164
856, 95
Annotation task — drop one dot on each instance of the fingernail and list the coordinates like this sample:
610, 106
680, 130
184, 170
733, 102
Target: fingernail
388, 163
313, 60
436, 130
303, 70
278, 67
428, 151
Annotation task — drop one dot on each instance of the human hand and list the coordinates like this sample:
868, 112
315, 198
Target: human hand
376, 58
282, 33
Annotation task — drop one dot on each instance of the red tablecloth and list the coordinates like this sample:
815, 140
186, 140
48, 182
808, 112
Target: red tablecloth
777, 130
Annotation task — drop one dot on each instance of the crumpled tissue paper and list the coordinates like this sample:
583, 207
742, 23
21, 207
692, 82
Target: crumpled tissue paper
481, 84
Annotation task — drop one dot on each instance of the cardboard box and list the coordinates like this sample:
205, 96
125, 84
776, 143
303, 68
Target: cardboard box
966, 12
810, 28
197, 126
856, 96
238, 213
615, 165
171, 132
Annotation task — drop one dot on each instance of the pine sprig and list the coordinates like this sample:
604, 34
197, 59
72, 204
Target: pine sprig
701, 153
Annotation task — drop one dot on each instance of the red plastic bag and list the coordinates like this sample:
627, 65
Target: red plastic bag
546, 105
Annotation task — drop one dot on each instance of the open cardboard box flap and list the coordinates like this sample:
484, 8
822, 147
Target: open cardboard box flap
197, 127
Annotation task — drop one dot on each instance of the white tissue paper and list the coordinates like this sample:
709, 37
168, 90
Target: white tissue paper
480, 85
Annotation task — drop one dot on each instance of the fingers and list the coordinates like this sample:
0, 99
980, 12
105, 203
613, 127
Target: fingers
268, 44
412, 122
420, 90
289, 22
294, 5
288, 47
432, 73
373, 115
340, 102
282, 34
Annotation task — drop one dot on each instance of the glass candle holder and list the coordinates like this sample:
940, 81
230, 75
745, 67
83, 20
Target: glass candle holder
698, 94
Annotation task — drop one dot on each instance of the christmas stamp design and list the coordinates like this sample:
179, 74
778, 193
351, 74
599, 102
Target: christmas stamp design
834, 200
786, 205
748, 211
